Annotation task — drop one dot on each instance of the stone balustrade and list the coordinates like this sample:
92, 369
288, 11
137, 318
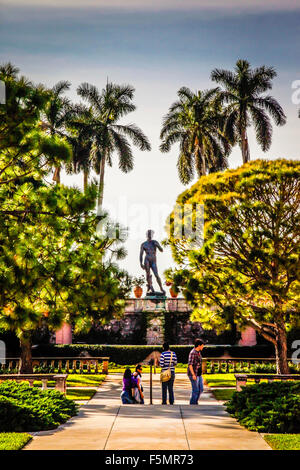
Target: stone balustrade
218, 364
63, 364
94, 365
167, 304
242, 379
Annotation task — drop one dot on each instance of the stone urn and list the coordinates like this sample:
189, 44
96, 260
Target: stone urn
138, 291
173, 293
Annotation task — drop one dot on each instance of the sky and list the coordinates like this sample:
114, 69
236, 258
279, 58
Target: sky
156, 47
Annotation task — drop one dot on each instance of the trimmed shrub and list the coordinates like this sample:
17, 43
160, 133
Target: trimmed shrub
25, 408
132, 354
268, 407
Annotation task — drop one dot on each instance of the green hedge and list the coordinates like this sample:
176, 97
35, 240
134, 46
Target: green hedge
128, 354
25, 408
268, 407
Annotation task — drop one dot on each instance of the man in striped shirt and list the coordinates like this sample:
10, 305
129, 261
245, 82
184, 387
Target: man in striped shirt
168, 360
195, 371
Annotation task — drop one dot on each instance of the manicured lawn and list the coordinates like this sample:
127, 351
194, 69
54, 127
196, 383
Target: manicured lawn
283, 441
13, 440
81, 394
85, 380
220, 380
223, 394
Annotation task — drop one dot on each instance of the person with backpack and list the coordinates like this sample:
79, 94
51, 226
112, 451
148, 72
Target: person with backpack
195, 371
168, 361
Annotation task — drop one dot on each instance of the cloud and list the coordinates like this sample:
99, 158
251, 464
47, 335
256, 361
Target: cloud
162, 5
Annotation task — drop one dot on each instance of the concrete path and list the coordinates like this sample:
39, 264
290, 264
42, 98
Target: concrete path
105, 424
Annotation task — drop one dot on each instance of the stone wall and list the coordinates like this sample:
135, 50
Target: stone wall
148, 321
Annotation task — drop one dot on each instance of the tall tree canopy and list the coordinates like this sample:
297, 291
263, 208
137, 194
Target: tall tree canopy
247, 105
53, 266
195, 121
248, 265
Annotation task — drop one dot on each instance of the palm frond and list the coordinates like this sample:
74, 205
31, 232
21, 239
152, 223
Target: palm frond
91, 94
170, 139
230, 127
185, 93
263, 128
8, 70
185, 167
60, 87
225, 78
135, 133
273, 107
123, 148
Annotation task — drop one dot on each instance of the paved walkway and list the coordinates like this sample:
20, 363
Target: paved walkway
105, 424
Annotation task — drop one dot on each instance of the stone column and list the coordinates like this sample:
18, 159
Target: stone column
248, 337
64, 335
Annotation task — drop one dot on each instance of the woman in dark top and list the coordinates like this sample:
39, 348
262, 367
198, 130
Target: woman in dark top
129, 382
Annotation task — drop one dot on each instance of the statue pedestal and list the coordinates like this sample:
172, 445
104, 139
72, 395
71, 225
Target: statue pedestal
155, 296
155, 328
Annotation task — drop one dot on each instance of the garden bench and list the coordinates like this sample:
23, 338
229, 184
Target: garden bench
60, 380
241, 379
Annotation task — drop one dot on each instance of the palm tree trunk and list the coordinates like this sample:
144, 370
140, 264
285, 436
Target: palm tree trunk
245, 146
56, 175
85, 179
203, 163
101, 183
202, 157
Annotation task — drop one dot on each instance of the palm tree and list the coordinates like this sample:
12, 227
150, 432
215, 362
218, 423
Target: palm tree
57, 114
195, 121
246, 105
107, 107
80, 136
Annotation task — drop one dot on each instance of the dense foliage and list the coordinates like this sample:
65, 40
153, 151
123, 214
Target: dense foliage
25, 408
55, 265
246, 268
268, 407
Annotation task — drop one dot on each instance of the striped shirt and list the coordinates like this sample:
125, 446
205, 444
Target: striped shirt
165, 361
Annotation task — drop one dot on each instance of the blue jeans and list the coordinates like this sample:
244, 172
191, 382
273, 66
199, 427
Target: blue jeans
197, 389
126, 398
168, 386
